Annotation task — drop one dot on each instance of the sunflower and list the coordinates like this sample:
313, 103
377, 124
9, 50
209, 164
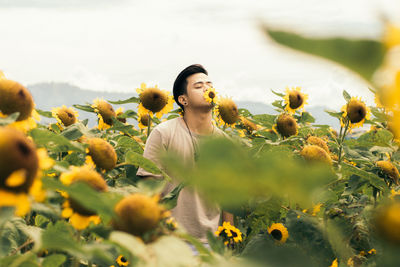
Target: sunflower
210, 95
279, 232
154, 101
122, 261
294, 99
138, 214
286, 125
389, 169
391, 36
21, 166
355, 112
144, 120
118, 113
248, 125
65, 116
315, 153
229, 233
314, 140
334, 263
102, 153
105, 112
79, 216
387, 222
226, 112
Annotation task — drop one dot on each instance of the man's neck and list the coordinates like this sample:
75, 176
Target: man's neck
199, 122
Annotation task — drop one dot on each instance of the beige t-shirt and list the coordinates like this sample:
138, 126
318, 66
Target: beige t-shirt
191, 212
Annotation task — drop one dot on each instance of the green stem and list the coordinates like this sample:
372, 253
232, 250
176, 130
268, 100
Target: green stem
341, 137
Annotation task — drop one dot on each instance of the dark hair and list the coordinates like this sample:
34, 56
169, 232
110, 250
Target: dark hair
180, 84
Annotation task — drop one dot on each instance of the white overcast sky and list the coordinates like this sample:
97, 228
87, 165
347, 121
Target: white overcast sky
114, 45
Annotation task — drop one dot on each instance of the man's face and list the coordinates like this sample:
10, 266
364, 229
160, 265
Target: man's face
197, 84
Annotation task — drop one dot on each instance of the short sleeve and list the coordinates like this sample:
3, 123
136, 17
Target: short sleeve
152, 150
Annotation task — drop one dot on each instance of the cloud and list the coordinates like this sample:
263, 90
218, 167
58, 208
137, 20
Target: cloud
60, 3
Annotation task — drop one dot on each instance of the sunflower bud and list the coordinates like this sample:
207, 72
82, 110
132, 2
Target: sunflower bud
286, 125
18, 161
137, 214
356, 111
102, 153
315, 153
15, 98
314, 140
389, 169
67, 116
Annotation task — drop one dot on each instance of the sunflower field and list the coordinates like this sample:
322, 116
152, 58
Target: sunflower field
302, 194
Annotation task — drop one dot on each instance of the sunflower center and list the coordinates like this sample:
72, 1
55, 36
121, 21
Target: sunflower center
69, 115
234, 234
295, 100
123, 259
21, 93
211, 95
276, 234
23, 148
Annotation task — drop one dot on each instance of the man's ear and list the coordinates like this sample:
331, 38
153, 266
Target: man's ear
182, 100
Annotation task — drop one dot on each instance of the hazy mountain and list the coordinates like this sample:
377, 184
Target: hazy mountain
49, 95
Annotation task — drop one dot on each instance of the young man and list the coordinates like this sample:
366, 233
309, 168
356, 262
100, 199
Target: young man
181, 135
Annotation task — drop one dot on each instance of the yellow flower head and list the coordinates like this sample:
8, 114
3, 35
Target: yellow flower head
315, 153
314, 140
122, 261
104, 110
391, 36
389, 169
15, 98
21, 166
144, 120
248, 125
294, 99
154, 100
286, 125
118, 113
229, 233
279, 232
210, 96
334, 263
65, 116
102, 153
138, 214
356, 112
226, 112
387, 222
80, 216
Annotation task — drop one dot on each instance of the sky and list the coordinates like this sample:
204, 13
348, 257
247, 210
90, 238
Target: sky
116, 45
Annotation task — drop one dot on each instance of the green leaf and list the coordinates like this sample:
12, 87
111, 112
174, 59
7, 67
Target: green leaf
133, 99
132, 244
127, 143
138, 160
306, 118
346, 96
43, 113
278, 103
334, 113
170, 200
9, 119
54, 142
121, 127
77, 130
278, 94
376, 181
87, 108
128, 114
54, 260
215, 243
361, 56
265, 119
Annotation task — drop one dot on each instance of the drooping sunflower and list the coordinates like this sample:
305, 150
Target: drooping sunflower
144, 120
315, 153
105, 112
153, 100
102, 153
210, 95
294, 99
226, 112
138, 213
389, 169
314, 140
286, 125
21, 166
14, 97
65, 116
356, 112
387, 222
279, 232
118, 113
122, 261
249, 125
79, 216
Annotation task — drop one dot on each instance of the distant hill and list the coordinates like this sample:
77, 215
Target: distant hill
49, 95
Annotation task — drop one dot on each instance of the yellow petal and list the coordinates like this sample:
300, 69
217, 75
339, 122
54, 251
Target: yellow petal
17, 178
